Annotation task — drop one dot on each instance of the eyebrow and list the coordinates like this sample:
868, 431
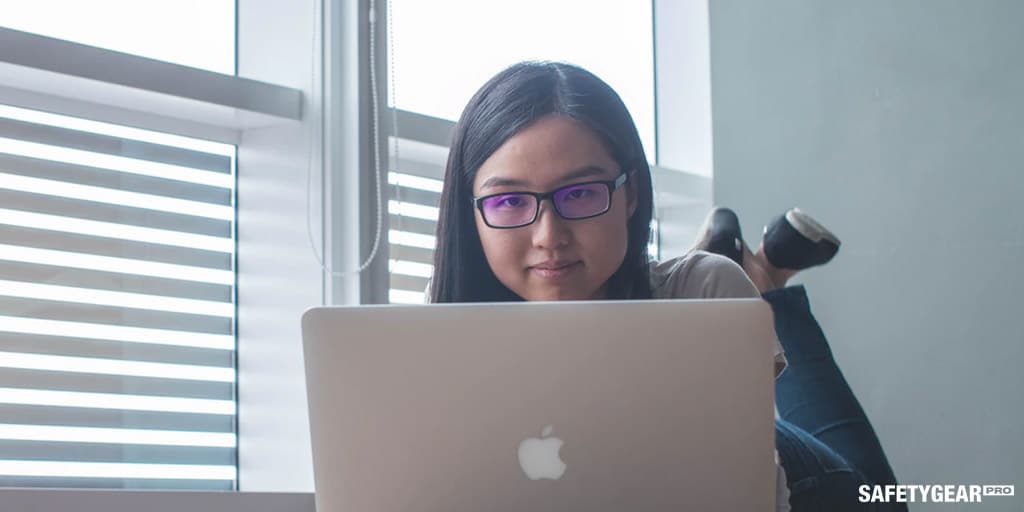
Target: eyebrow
582, 172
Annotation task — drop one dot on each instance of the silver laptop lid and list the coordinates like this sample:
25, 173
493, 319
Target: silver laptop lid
637, 405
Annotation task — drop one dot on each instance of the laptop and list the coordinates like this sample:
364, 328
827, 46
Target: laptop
649, 405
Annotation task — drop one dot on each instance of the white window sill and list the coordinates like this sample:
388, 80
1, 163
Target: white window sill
80, 500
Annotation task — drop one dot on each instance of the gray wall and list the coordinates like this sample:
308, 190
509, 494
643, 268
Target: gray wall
899, 124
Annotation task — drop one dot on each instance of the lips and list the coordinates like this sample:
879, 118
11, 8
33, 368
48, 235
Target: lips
553, 265
555, 270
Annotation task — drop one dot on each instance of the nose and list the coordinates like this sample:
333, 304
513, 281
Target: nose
550, 230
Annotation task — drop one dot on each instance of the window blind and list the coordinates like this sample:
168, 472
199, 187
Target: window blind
414, 195
117, 306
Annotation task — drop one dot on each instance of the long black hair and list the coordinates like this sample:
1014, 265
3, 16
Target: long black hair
508, 103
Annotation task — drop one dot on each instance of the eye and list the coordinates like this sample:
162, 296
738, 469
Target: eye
509, 201
578, 193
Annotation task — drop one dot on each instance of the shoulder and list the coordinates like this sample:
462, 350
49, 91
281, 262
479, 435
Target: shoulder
700, 274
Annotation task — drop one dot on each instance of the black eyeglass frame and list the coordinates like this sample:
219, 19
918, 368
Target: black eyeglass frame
613, 185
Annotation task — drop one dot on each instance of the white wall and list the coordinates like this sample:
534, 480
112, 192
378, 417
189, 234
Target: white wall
323, 160
898, 124
278, 275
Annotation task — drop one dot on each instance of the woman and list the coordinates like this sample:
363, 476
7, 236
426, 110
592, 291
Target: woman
547, 196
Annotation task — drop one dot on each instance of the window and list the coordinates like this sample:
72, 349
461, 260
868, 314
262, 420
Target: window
154, 28
443, 51
117, 318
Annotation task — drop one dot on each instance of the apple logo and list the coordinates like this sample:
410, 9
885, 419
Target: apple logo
539, 456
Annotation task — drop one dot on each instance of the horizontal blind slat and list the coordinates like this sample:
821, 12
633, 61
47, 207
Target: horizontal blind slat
114, 385
111, 298
115, 401
106, 349
130, 454
111, 316
72, 277
113, 418
113, 230
422, 149
413, 195
116, 483
102, 212
118, 333
414, 254
106, 178
32, 360
114, 196
97, 143
117, 470
420, 129
107, 436
408, 283
419, 168
411, 224
113, 247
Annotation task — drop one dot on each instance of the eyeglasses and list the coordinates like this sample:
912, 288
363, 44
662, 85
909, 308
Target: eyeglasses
573, 202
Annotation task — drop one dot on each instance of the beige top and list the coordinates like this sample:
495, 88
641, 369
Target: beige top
703, 275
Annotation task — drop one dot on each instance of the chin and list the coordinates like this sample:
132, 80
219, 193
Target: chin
557, 295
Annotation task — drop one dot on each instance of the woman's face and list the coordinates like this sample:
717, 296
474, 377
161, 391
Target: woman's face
554, 258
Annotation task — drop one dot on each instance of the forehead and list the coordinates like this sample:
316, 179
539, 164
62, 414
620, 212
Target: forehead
543, 153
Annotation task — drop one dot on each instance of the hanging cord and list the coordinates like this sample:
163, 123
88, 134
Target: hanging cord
393, 163
317, 139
